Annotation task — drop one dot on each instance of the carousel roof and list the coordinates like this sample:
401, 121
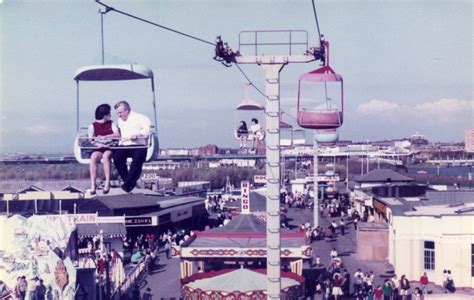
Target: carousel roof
244, 231
242, 280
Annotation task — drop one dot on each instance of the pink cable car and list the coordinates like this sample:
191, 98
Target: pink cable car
326, 115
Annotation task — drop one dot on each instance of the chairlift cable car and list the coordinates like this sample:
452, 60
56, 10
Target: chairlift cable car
101, 73
248, 104
298, 134
328, 118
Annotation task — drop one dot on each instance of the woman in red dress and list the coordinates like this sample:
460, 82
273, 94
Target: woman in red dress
101, 135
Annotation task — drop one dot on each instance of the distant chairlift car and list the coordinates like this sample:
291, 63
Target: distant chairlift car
286, 133
113, 73
249, 105
323, 83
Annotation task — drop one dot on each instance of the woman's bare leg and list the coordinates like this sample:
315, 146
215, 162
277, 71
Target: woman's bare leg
95, 159
106, 161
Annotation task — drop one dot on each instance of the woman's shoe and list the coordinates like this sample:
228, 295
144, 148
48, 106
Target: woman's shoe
106, 189
93, 191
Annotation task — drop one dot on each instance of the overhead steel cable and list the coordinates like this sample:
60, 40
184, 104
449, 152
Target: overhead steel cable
316, 18
110, 8
250, 82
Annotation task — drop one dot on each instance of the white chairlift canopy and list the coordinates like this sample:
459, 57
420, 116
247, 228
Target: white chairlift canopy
249, 104
113, 72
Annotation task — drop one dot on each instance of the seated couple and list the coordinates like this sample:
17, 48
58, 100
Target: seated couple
255, 133
133, 130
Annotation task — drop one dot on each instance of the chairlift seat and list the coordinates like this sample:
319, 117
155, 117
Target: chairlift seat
249, 104
82, 152
115, 73
320, 118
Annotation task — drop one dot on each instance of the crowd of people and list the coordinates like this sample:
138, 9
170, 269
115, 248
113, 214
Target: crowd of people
336, 281
32, 289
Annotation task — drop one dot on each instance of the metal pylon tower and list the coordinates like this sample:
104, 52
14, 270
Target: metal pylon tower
272, 66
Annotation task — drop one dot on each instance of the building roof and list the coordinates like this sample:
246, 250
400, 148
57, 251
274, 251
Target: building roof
137, 200
243, 224
244, 231
439, 210
434, 203
108, 229
16, 186
382, 175
129, 201
242, 280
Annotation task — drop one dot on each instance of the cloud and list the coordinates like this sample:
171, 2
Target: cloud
375, 107
40, 129
444, 109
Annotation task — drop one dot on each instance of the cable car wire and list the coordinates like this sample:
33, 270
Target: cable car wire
110, 8
250, 82
316, 18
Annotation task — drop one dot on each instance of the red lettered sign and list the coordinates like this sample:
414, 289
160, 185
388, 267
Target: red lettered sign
245, 193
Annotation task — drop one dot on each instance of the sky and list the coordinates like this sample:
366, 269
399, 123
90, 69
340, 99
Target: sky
407, 67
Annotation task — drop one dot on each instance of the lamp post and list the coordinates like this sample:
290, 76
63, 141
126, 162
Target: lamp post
469, 176
367, 156
315, 184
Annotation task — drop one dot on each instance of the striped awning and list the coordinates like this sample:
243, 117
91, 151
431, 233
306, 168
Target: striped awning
109, 230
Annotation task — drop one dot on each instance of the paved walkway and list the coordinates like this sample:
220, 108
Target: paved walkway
164, 281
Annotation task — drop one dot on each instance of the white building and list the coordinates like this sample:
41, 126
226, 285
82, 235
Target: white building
469, 140
432, 234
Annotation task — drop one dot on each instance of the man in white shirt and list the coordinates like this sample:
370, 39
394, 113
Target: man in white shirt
134, 133
256, 133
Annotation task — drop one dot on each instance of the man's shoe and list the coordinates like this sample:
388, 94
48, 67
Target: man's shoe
125, 188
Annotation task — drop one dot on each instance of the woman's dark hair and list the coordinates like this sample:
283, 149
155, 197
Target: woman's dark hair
101, 111
244, 123
255, 121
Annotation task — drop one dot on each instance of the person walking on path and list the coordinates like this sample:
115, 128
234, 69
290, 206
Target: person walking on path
395, 287
355, 223
445, 280
342, 225
378, 293
336, 286
418, 294
167, 249
333, 253
136, 293
40, 291
333, 228
387, 290
147, 295
405, 287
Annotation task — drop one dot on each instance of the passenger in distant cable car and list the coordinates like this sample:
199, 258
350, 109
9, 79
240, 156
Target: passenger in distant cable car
255, 133
101, 135
219, 51
242, 134
134, 132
